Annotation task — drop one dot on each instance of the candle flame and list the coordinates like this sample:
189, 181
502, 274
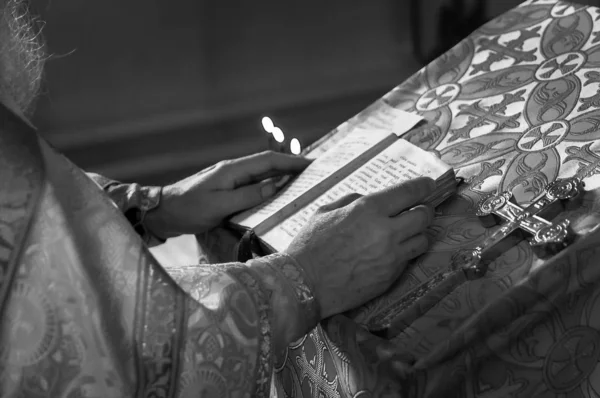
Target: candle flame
267, 124
295, 146
278, 134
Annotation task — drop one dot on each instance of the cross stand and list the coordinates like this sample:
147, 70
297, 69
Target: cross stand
516, 222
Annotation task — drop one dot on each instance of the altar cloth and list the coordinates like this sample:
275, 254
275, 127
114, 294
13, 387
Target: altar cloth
512, 107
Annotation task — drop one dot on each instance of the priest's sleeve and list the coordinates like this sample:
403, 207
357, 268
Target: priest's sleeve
90, 312
245, 316
270, 290
134, 200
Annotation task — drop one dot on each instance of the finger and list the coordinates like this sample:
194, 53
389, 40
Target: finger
393, 200
245, 197
412, 222
341, 202
260, 166
412, 248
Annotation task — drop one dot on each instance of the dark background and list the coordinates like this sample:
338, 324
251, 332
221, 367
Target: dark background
150, 90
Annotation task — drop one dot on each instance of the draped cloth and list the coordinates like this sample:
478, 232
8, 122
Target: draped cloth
512, 107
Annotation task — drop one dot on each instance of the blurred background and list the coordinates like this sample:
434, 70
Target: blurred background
151, 91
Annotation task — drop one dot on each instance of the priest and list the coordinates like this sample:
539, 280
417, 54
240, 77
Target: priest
87, 311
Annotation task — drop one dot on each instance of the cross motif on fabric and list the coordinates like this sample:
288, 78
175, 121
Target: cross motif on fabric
437, 96
494, 114
569, 359
314, 371
512, 49
487, 170
589, 160
546, 135
565, 66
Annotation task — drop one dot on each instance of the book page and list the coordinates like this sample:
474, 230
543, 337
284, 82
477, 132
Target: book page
379, 116
402, 161
347, 150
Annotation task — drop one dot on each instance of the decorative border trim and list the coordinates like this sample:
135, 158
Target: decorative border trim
264, 369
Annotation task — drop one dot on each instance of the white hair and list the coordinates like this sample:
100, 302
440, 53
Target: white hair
21, 54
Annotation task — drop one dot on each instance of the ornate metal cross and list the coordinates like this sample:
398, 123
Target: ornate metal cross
552, 236
472, 264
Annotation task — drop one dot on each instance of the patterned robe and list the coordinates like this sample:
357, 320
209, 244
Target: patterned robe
86, 311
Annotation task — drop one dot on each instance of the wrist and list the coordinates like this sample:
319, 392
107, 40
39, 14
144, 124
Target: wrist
294, 306
300, 283
311, 278
158, 220
140, 213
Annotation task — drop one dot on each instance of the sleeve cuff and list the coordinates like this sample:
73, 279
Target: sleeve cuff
148, 200
294, 275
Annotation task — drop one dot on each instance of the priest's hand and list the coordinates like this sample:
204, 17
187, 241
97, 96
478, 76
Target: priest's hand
202, 201
355, 248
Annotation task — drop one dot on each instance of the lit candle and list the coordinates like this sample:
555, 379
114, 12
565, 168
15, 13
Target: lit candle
272, 141
267, 124
279, 138
276, 140
295, 147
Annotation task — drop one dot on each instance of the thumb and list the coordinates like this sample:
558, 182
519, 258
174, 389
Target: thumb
248, 196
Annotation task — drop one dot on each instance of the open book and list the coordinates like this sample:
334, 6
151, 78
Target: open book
365, 159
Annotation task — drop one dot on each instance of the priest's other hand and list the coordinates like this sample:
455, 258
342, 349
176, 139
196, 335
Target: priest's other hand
202, 201
356, 247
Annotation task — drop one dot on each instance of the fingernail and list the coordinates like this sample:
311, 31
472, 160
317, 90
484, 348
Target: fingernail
267, 190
